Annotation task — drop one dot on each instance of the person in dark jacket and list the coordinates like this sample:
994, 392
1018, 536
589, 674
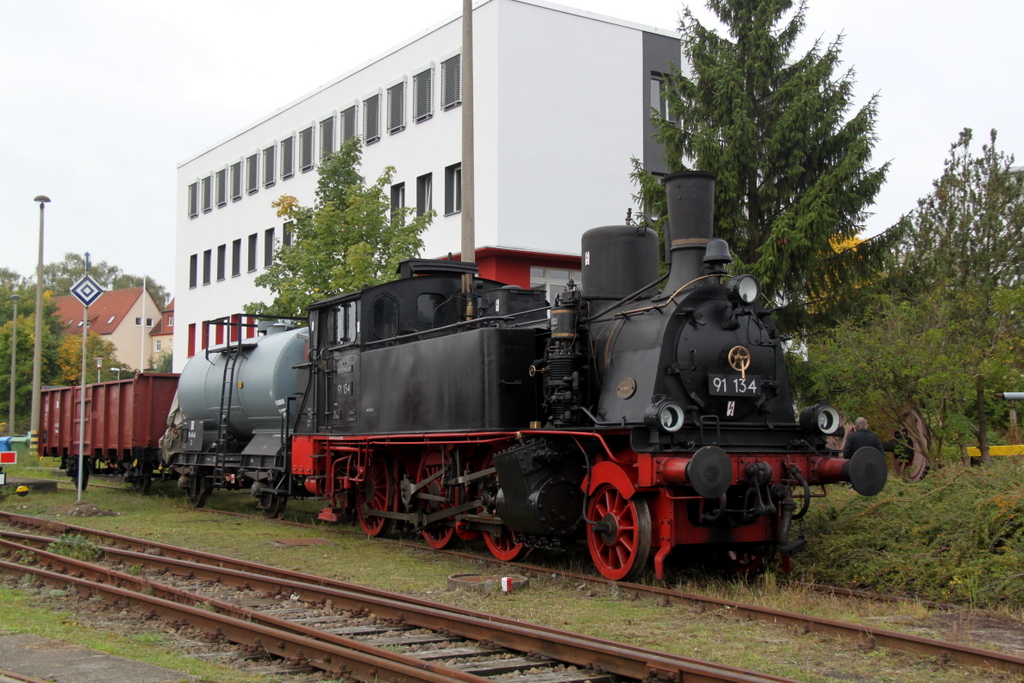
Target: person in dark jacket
860, 438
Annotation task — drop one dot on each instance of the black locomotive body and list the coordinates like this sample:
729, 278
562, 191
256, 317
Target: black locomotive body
636, 414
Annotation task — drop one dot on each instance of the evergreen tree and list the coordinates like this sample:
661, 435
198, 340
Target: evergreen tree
350, 239
794, 180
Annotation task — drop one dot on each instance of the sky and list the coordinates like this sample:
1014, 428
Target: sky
100, 100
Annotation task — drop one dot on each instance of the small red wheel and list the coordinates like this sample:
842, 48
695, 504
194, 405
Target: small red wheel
505, 546
378, 492
746, 562
620, 544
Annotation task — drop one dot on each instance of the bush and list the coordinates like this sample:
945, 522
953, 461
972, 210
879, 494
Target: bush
76, 547
956, 536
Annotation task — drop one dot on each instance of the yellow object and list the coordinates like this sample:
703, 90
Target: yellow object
21, 490
1017, 449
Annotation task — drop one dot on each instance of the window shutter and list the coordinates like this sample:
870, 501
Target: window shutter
371, 120
288, 157
252, 178
326, 136
421, 95
207, 194
222, 187
236, 181
396, 108
269, 165
451, 82
348, 123
306, 149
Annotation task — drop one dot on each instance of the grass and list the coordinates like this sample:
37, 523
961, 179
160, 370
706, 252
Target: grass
840, 530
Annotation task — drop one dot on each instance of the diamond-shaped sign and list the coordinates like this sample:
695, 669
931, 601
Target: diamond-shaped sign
87, 291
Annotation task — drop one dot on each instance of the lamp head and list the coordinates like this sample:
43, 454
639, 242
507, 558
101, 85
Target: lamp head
42, 199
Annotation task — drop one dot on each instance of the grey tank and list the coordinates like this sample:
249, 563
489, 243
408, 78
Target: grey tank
264, 378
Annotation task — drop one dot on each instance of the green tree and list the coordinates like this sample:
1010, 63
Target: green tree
794, 180
350, 239
70, 360
61, 276
49, 370
951, 334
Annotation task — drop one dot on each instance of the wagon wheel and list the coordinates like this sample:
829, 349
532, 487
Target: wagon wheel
620, 544
199, 487
143, 479
377, 492
273, 505
438, 535
142, 484
505, 546
72, 470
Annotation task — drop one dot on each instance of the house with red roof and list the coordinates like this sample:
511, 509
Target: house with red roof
162, 334
125, 317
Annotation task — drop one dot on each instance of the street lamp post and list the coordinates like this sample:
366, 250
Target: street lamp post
37, 356
118, 371
14, 364
99, 366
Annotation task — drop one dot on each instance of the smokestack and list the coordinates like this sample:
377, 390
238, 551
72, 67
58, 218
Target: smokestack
691, 210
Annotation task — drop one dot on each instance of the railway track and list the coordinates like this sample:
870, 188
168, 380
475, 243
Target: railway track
941, 650
346, 630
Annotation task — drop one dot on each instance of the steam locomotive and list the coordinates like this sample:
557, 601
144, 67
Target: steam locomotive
638, 413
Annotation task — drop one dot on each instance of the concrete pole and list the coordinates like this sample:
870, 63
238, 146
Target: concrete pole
468, 163
37, 356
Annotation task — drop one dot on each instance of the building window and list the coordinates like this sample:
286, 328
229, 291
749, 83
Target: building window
193, 271
170, 321
396, 108
193, 200
453, 189
253, 239
149, 322
138, 322
348, 123
551, 281
658, 99
422, 89
236, 258
306, 150
371, 120
207, 257
158, 345
286, 233
222, 187
268, 247
397, 200
222, 254
269, 165
208, 194
424, 200
236, 181
191, 339
451, 82
326, 136
288, 157
252, 176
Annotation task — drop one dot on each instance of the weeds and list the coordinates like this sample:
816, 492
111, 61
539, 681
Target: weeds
76, 547
956, 536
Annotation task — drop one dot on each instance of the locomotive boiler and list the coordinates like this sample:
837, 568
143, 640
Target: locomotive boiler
639, 413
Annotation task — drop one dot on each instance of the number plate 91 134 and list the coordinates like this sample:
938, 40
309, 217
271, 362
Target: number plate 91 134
733, 385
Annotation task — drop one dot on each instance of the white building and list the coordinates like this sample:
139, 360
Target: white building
562, 102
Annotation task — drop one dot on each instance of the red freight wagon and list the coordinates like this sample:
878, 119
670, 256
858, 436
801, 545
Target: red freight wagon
124, 421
